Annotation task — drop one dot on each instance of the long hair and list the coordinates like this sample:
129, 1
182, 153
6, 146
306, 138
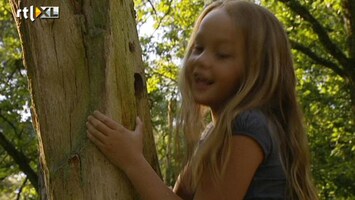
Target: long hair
268, 83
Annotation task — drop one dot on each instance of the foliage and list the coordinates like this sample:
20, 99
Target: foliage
15, 122
172, 23
323, 93
326, 106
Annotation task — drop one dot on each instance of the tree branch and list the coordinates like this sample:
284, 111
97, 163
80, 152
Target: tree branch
152, 5
20, 159
9, 122
162, 18
319, 60
349, 6
323, 36
164, 76
20, 189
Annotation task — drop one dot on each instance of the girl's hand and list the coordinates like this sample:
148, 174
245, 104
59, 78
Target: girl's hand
121, 146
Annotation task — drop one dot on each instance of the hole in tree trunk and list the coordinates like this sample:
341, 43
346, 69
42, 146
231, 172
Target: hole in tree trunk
138, 85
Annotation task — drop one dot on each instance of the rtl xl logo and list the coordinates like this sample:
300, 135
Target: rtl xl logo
43, 12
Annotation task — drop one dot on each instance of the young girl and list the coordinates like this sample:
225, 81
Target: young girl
238, 66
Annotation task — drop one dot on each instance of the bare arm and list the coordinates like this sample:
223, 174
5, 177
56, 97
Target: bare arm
181, 188
124, 148
246, 157
148, 183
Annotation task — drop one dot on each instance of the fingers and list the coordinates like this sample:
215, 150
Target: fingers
106, 120
139, 126
93, 139
95, 133
98, 125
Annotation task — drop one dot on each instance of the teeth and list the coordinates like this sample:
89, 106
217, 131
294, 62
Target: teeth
200, 79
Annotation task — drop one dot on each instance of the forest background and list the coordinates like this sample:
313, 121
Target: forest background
322, 34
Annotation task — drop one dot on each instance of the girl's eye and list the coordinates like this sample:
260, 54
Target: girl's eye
197, 49
222, 55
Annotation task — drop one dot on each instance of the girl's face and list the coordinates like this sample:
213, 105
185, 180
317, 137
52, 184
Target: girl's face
216, 62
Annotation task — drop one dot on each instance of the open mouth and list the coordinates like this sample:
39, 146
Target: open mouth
201, 80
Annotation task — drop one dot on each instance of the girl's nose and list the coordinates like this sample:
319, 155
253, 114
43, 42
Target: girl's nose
204, 59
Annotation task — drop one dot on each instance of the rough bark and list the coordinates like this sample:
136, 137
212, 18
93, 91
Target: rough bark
88, 59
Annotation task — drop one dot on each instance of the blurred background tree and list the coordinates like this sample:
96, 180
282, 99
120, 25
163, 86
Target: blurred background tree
322, 37
322, 34
18, 142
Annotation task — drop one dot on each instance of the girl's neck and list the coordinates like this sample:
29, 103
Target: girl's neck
216, 111
215, 115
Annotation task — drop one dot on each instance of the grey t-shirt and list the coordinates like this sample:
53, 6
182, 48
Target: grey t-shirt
269, 181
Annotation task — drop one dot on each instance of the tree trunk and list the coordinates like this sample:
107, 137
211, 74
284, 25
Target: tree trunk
88, 59
351, 85
207, 2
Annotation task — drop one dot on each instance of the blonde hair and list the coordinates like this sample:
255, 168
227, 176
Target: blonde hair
268, 84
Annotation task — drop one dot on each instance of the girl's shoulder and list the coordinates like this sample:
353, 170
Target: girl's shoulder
255, 124
251, 121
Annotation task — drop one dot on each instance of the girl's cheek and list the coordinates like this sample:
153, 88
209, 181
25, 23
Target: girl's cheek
190, 62
189, 69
